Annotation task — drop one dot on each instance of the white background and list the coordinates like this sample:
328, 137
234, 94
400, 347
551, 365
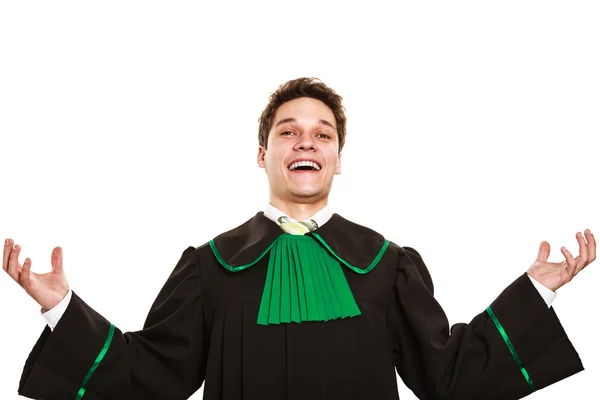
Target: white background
129, 131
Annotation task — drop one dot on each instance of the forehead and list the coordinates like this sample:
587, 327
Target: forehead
305, 110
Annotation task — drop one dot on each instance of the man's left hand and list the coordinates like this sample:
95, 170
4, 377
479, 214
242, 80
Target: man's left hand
554, 275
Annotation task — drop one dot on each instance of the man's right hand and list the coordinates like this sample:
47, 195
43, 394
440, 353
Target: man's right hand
46, 289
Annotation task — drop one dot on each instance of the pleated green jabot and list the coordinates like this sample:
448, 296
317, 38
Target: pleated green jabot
304, 283
304, 280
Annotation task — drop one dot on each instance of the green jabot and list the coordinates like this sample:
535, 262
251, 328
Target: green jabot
304, 280
304, 283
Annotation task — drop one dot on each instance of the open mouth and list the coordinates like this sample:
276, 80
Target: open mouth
304, 166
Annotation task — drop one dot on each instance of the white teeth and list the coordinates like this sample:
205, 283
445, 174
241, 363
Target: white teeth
304, 164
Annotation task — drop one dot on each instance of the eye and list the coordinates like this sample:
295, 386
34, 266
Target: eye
323, 135
285, 132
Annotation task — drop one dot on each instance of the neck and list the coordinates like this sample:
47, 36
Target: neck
299, 211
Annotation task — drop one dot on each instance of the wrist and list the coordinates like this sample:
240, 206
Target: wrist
55, 299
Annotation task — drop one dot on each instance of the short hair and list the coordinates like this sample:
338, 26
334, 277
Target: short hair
303, 87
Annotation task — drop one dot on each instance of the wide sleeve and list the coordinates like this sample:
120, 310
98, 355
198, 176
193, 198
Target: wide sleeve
512, 348
87, 357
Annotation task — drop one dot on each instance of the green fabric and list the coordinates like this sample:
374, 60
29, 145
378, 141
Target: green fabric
99, 358
304, 283
304, 280
352, 267
240, 267
512, 349
231, 268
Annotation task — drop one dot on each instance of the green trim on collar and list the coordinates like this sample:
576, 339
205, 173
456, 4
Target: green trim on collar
304, 280
352, 267
231, 268
242, 246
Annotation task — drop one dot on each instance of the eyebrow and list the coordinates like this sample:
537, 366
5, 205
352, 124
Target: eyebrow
286, 120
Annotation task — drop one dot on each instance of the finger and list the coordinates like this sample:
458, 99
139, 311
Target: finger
7, 251
571, 262
582, 260
591, 241
543, 252
25, 277
57, 260
14, 269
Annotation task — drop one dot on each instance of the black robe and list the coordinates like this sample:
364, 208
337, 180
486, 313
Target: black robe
203, 327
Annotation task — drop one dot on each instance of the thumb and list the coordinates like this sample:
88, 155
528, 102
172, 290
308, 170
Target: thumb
57, 261
543, 252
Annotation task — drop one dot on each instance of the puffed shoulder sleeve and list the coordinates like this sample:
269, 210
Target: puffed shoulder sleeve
513, 347
88, 357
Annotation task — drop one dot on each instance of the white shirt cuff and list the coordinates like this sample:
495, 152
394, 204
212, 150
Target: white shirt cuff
53, 316
547, 294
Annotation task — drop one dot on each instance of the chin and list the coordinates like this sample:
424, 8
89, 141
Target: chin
308, 192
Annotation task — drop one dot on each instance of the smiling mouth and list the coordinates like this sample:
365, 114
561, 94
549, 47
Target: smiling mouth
304, 166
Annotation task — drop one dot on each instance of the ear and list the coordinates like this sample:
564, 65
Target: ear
338, 164
260, 159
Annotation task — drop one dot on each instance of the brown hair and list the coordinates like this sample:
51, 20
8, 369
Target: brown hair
302, 87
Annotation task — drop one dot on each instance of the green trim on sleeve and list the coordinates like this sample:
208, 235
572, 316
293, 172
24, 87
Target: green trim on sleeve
511, 348
101, 355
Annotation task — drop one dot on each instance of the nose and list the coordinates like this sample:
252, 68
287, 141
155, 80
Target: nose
306, 143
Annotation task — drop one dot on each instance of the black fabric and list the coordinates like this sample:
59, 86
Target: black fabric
356, 244
165, 360
202, 328
244, 244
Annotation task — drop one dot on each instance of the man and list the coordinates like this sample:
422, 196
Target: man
300, 303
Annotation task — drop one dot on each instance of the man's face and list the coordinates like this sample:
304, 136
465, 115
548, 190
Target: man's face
303, 129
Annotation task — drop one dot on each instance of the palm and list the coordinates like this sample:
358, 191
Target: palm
46, 288
551, 274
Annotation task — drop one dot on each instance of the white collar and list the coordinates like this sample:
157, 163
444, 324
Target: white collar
321, 217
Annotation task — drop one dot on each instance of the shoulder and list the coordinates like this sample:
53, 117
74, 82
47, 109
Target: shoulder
411, 262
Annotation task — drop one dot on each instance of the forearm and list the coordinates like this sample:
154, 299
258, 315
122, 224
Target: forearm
514, 347
86, 354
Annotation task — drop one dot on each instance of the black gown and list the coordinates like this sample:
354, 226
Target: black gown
203, 327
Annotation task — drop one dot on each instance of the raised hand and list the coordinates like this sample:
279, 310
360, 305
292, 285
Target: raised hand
46, 289
554, 275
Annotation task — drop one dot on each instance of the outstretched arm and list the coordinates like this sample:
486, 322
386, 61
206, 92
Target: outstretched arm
87, 357
513, 347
